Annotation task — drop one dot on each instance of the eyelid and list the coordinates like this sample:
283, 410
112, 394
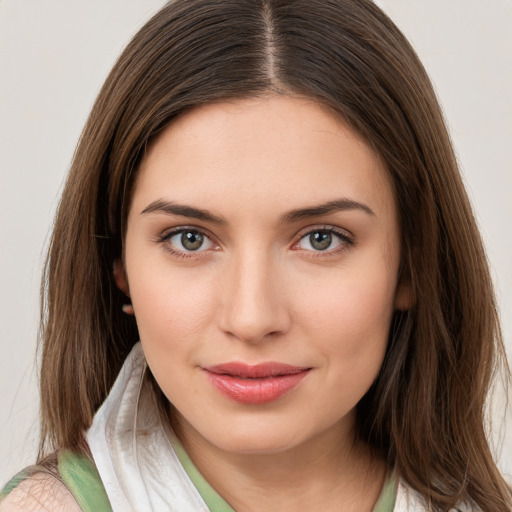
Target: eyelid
330, 228
346, 238
166, 236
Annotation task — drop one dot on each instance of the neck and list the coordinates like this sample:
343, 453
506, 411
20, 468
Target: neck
333, 471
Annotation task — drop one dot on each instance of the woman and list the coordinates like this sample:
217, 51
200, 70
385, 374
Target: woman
266, 196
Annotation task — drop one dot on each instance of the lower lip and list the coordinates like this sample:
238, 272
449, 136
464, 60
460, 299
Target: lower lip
255, 391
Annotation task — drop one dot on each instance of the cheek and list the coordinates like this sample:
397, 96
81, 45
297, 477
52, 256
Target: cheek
348, 325
173, 315
171, 306
350, 314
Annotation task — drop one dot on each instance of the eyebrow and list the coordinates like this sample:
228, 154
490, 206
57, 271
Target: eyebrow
171, 208
343, 204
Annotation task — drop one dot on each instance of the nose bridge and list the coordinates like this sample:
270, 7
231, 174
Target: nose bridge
253, 307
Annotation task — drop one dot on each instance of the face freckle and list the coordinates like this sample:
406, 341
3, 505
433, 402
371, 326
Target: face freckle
262, 237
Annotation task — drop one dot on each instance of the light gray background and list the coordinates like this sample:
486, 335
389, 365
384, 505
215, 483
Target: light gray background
54, 56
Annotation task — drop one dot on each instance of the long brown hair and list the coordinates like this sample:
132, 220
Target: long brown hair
425, 411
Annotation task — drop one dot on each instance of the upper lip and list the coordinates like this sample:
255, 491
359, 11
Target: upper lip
256, 371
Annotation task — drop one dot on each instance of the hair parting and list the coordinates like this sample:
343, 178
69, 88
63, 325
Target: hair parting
426, 410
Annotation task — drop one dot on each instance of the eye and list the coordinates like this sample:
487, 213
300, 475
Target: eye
324, 240
188, 240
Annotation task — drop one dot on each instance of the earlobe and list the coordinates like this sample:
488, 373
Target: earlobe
120, 277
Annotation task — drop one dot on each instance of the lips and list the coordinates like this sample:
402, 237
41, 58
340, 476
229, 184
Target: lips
255, 384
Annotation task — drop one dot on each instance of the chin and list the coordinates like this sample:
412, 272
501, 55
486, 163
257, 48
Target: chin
262, 436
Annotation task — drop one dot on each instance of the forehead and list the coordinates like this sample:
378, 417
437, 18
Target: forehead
250, 154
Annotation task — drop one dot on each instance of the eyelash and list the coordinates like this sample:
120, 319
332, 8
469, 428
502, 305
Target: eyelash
166, 237
345, 240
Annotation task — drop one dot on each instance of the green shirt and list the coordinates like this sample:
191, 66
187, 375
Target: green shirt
215, 503
81, 477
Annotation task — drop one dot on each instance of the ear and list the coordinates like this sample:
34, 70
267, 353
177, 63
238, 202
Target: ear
120, 277
403, 298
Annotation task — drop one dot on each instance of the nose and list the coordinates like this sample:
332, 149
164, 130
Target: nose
254, 303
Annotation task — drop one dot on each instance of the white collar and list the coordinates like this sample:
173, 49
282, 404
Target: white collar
135, 459
130, 446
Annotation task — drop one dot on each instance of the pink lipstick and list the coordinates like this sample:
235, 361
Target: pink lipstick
255, 384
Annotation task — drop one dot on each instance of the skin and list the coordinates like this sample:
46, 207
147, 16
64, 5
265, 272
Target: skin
259, 290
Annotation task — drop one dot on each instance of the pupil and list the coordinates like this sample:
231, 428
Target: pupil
320, 240
191, 241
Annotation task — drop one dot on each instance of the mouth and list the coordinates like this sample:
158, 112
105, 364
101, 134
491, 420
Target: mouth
255, 384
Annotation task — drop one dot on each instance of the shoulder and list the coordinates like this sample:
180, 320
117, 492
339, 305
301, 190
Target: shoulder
63, 481
41, 492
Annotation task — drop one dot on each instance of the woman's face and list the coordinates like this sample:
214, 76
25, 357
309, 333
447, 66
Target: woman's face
261, 257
